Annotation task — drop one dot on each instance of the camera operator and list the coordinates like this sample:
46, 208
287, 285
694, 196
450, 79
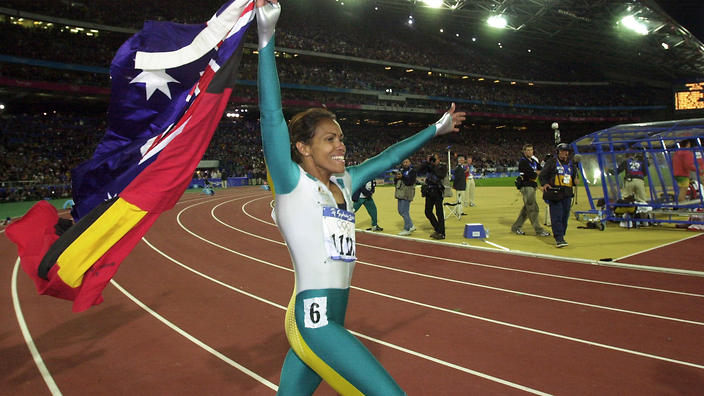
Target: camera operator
433, 190
530, 168
405, 183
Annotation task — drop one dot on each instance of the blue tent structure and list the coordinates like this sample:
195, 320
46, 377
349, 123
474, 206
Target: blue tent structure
603, 151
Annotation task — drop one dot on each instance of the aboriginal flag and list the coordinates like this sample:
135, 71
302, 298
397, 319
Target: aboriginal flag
170, 86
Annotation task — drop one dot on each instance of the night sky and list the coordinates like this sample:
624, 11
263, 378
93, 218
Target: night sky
689, 13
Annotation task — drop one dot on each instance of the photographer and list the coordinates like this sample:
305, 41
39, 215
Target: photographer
557, 180
529, 168
405, 184
433, 190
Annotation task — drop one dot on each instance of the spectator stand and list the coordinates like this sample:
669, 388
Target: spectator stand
657, 142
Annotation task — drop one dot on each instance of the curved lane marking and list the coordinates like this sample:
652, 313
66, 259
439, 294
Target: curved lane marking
472, 262
399, 348
195, 340
510, 291
36, 356
446, 310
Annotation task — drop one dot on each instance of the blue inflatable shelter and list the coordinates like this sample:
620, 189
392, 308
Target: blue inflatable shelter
601, 157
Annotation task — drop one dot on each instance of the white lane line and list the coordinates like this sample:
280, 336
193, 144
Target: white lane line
659, 246
214, 280
510, 291
451, 365
542, 332
613, 264
498, 246
43, 370
194, 340
472, 263
397, 347
514, 292
446, 310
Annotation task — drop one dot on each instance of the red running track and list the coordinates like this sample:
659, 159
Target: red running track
198, 307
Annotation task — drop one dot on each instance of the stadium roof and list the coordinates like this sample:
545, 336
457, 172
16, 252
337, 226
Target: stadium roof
588, 30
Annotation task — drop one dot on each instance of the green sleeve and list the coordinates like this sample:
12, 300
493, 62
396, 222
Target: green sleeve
275, 138
393, 155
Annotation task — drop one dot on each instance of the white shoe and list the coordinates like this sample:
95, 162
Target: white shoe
413, 228
405, 232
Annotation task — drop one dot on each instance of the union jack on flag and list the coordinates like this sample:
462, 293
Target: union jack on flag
170, 85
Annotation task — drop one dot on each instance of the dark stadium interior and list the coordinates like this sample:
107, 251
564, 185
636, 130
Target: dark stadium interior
367, 63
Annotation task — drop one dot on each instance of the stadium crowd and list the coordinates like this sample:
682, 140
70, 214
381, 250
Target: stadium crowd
363, 35
39, 149
57, 44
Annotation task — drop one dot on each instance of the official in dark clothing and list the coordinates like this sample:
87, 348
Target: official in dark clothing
529, 167
459, 179
459, 184
557, 179
433, 191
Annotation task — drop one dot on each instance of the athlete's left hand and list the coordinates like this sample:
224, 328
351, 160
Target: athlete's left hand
450, 121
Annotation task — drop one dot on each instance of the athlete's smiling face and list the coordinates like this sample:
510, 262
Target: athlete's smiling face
327, 149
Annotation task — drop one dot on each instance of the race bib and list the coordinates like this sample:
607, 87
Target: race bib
315, 311
338, 226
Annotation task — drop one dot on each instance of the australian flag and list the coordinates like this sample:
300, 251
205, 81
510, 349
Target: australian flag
168, 80
170, 86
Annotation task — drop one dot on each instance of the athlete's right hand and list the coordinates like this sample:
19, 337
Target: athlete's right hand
268, 12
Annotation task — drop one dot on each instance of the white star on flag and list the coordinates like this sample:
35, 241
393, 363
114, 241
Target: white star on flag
155, 80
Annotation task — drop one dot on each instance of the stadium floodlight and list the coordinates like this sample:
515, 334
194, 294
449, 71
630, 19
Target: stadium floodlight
497, 21
434, 3
630, 22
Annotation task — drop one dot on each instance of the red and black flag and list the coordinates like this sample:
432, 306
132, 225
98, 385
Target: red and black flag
170, 86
